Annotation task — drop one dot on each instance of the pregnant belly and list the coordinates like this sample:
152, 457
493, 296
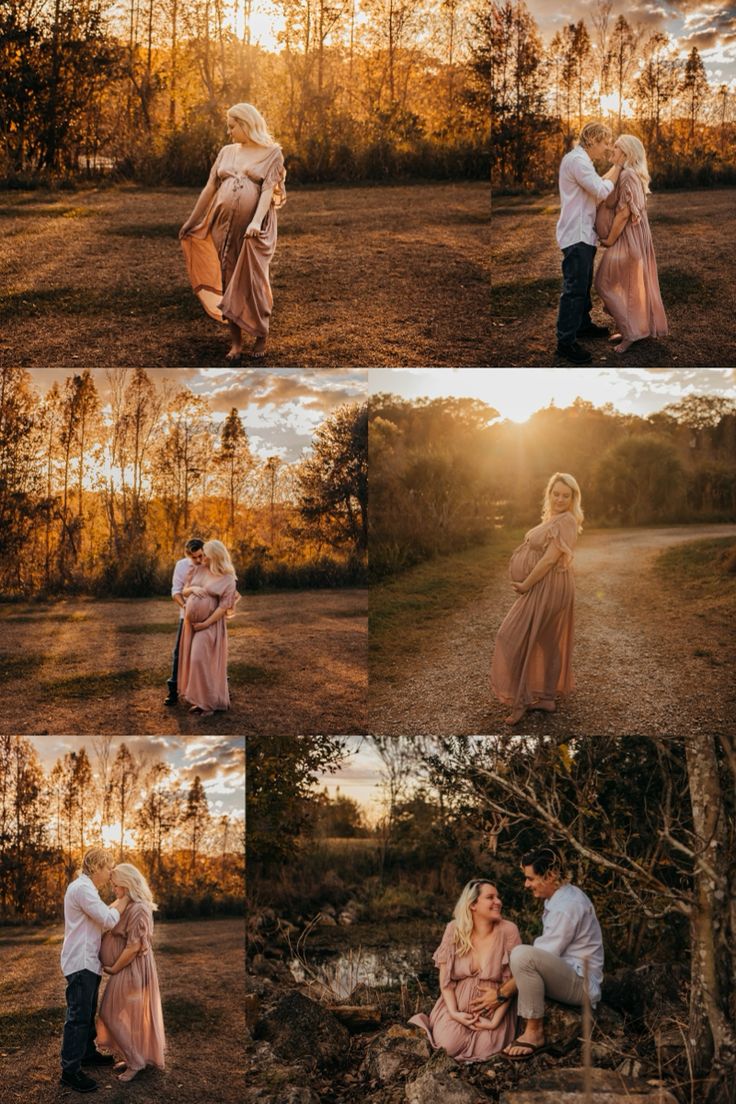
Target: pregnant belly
111, 948
522, 562
199, 609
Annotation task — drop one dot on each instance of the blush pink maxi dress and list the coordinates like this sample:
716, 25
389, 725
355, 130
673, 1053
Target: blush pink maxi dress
532, 658
228, 271
456, 972
202, 677
130, 1021
626, 278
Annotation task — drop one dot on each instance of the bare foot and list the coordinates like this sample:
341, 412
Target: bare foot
515, 716
234, 354
542, 707
128, 1075
518, 1050
622, 347
195, 709
615, 337
259, 349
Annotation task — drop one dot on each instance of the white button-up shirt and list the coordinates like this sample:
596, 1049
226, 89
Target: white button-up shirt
179, 579
581, 190
86, 917
570, 930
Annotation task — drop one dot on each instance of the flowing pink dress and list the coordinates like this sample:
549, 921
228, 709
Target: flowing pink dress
532, 658
456, 972
130, 1021
228, 271
202, 677
626, 278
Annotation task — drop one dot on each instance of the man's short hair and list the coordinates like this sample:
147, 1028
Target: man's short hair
95, 859
194, 545
543, 860
594, 132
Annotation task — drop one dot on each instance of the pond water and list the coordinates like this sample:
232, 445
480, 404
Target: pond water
387, 968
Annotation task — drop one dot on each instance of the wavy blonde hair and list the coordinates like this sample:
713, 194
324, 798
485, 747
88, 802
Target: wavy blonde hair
635, 158
463, 915
254, 123
129, 876
576, 508
219, 558
592, 133
95, 859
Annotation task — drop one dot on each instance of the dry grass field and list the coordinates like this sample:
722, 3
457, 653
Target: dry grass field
369, 276
692, 234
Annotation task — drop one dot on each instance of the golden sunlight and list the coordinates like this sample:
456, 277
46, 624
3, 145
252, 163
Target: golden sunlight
111, 836
263, 24
609, 105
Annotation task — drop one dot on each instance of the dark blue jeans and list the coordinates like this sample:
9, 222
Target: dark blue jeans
175, 661
575, 302
80, 1032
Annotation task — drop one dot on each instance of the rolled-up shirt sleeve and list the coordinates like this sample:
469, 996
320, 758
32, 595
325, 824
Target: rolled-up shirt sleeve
588, 179
97, 910
559, 931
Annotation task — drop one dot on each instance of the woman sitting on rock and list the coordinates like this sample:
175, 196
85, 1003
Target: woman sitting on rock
473, 961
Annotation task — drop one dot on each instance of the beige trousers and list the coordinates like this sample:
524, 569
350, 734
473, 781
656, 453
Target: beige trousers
536, 973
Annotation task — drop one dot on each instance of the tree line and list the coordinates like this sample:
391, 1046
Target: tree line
355, 89
191, 857
608, 68
448, 473
102, 500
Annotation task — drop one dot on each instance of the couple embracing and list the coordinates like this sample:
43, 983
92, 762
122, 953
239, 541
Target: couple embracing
608, 210
488, 977
116, 941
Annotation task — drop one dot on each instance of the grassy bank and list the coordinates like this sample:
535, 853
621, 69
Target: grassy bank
701, 577
404, 611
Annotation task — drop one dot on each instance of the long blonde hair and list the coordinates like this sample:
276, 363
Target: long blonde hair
127, 875
576, 508
254, 123
463, 915
635, 157
219, 558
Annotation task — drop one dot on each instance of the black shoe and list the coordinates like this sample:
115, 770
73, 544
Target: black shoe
97, 1059
573, 352
592, 330
78, 1081
171, 701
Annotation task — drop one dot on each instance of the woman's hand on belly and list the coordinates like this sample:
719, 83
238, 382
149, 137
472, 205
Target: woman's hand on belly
520, 588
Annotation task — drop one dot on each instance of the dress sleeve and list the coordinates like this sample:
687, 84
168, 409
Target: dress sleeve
513, 939
275, 178
230, 595
140, 927
630, 194
444, 957
564, 534
213, 177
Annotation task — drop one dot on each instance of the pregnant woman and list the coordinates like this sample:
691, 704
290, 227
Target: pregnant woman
626, 279
130, 1020
230, 236
532, 659
473, 961
210, 593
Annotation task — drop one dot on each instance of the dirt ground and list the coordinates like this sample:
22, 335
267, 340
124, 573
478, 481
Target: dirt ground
695, 261
645, 663
297, 664
369, 276
201, 973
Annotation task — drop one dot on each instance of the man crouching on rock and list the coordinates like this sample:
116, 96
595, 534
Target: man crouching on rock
554, 965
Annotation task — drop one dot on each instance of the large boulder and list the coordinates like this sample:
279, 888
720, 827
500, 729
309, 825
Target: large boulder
285, 1094
299, 1029
393, 1054
439, 1082
567, 1086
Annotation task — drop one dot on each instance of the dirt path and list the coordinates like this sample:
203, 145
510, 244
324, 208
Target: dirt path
374, 276
636, 654
297, 663
200, 968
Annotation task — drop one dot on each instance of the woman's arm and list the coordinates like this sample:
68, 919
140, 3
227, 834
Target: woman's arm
218, 615
466, 1018
200, 208
261, 211
127, 956
617, 229
547, 562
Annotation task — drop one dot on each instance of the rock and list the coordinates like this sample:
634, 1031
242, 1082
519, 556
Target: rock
563, 1025
300, 1029
328, 910
394, 1053
358, 1017
285, 1094
326, 920
630, 1067
252, 1008
566, 1086
261, 986
433, 1086
275, 970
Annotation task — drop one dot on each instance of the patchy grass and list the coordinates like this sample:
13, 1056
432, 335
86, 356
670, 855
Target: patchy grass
699, 577
375, 276
405, 609
247, 675
99, 685
20, 1029
690, 231
16, 666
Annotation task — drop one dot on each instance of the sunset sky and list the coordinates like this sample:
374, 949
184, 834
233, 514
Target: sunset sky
279, 407
518, 392
358, 778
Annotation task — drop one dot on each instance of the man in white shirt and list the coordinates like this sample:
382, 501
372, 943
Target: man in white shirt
581, 191
554, 965
86, 917
192, 555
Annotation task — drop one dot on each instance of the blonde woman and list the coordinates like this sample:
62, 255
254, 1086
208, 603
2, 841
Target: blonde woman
626, 279
230, 236
473, 962
130, 1020
532, 658
210, 593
